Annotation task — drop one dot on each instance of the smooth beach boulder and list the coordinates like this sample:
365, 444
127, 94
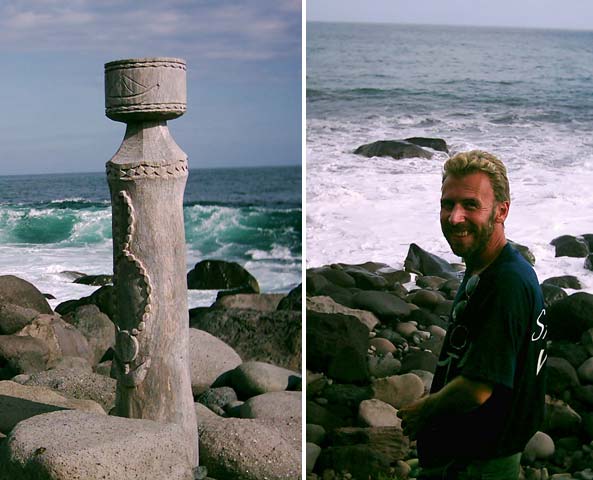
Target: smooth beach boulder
435, 143
19, 402
14, 317
324, 304
279, 405
254, 378
273, 337
102, 298
398, 390
568, 318
217, 398
337, 345
561, 375
552, 294
292, 301
220, 275
376, 413
384, 305
564, 281
94, 280
570, 246
16, 291
336, 275
424, 263
539, 447
262, 302
209, 358
78, 445
22, 354
397, 149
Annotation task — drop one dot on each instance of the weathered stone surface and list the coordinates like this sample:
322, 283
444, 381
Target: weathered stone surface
20, 354
552, 294
560, 418
360, 461
337, 345
384, 305
347, 395
382, 346
254, 378
262, 302
14, 317
216, 399
220, 275
573, 352
425, 298
368, 281
16, 291
336, 276
394, 276
323, 304
78, 445
340, 295
565, 281
585, 371
435, 143
567, 319
424, 263
313, 452
315, 433
570, 246
376, 413
246, 449
62, 338
209, 358
96, 327
271, 405
419, 360
430, 282
95, 280
292, 301
77, 384
398, 390
322, 416
273, 337
426, 378
524, 251
540, 447
385, 366
102, 298
396, 149
19, 402
587, 341
561, 375
315, 282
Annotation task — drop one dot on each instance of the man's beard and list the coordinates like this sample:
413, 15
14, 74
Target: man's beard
481, 234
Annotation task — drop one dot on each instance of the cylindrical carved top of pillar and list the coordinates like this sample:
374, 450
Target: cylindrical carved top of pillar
145, 89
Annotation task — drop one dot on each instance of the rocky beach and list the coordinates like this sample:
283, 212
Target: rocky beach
373, 337
55, 366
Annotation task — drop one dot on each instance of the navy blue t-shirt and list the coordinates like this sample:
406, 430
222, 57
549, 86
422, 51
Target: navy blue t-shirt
499, 338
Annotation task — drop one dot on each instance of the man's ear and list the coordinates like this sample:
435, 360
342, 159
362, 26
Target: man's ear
502, 211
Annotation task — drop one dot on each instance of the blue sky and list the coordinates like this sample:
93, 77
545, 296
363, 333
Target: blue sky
244, 79
565, 14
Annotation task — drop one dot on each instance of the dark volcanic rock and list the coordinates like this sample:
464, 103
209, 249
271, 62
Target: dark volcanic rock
568, 318
588, 237
220, 275
552, 294
424, 263
524, 251
318, 415
419, 360
16, 291
368, 281
348, 395
437, 144
574, 353
565, 281
384, 305
292, 301
589, 262
394, 276
21, 354
337, 345
426, 318
273, 337
336, 276
95, 280
570, 246
361, 461
561, 376
315, 282
371, 267
392, 148
340, 295
102, 298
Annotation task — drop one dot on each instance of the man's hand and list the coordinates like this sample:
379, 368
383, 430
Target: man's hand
414, 417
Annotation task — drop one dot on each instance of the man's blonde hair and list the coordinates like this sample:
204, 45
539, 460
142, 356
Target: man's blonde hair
474, 161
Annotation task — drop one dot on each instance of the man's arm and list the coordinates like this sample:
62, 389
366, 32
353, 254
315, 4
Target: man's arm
458, 396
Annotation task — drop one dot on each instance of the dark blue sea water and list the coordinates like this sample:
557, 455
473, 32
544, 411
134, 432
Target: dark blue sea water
54, 223
524, 95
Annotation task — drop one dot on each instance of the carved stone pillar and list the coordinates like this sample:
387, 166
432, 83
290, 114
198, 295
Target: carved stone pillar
147, 178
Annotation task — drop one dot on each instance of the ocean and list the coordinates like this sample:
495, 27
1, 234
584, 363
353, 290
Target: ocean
54, 224
524, 95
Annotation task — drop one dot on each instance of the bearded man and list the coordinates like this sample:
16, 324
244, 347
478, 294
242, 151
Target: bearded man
487, 396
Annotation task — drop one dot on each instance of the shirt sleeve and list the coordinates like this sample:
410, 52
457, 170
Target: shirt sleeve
501, 322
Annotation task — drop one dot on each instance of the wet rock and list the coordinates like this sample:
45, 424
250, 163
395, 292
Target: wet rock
585, 371
523, 251
561, 375
394, 276
574, 353
430, 282
292, 301
565, 281
95, 280
385, 366
384, 305
220, 275
396, 149
552, 294
568, 318
319, 415
315, 433
336, 276
337, 345
424, 263
419, 360
587, 341
560, 418
102, 298
382, 346
313, 452
435, 143
347, 395
570, 246
328, 305
254, 378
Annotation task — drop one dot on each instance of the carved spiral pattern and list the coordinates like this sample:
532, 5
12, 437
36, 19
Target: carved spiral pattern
148, 107
148, 64
146, 170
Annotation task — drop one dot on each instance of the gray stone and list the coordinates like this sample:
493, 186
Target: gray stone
254, 378
394, 276
587, 341
384, 366
220, 275
97, 328
564, 281
315, 433
424, 263
524, 251
437, 144
102, 298
14, 317
217, 398
560, 418
273, 337
396, 149
73, 363
104, 368
574, 353
335, 275
561, 375
539, 447
382, 346
585, 371
398, 390
247, 449
19, 402
322, 416
419, 360
384, 305
313, 452
570, 246
94, 280
21, 354
292, 301
63, 339
328, 305
262, 302
376, 413
430, 282
428, 299
16, 291
406, 329
209, 358
271, 405
77, 384
78, 445
552, 294
426, 378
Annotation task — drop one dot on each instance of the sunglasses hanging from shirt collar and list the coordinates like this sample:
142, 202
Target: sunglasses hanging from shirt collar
470, 288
